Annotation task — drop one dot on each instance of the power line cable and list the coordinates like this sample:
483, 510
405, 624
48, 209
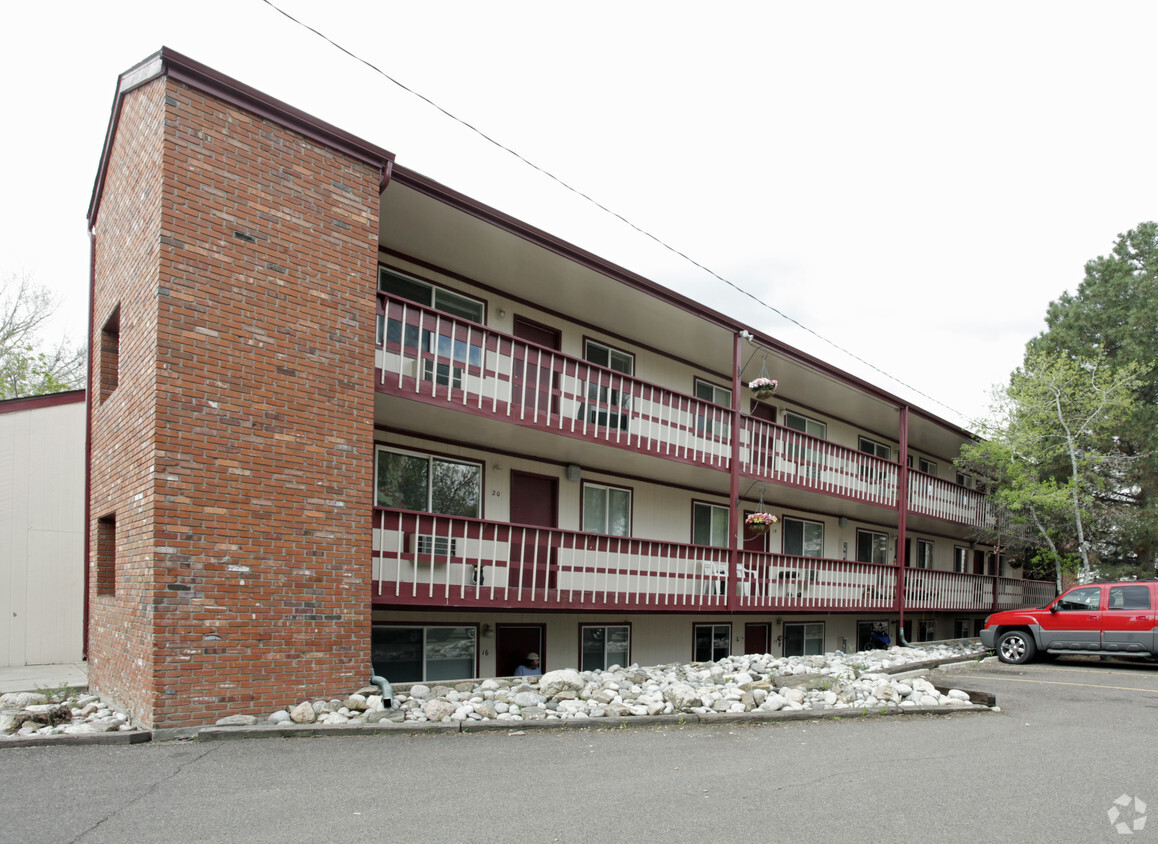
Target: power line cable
604, 208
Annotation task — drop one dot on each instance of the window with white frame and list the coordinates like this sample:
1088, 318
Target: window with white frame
872, 547
607, 405
710, 524
606, 509
603, 646
960, 559
803, 639
927, 466
429, 484
603, 355
418, 653
875, 448
712, 642
966, 482
806, 457
424, 293
805, 425
802, 538
962, 628
924, 559
884, 452
444, 357
926, 630
717, 421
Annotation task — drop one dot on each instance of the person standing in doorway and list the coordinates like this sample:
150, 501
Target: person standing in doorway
529, 668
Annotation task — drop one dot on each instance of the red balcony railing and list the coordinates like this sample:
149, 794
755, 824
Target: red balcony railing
434, 357
790, 457
931, 496
783, 582
437, 358
422, 559
432, 560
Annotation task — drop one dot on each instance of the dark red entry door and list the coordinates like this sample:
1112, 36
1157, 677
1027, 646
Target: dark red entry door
534, 499
535, 502
532, 367
757, 639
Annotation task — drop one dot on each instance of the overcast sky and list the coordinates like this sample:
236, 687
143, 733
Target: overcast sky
912, 181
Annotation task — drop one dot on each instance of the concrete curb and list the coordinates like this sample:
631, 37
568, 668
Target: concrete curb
127, 737
612, 723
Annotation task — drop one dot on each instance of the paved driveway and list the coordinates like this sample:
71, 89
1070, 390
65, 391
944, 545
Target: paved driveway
1072, 737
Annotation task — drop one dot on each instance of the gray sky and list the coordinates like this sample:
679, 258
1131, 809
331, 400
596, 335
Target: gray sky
913, 181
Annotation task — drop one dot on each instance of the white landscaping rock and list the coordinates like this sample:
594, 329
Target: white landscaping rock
303, 713
436, 710
565, 679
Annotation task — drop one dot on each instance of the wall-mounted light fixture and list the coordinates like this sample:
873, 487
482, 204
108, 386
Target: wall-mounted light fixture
573, 472
488, 630
843, 521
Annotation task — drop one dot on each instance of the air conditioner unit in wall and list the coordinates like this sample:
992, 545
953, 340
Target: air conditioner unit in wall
437, 546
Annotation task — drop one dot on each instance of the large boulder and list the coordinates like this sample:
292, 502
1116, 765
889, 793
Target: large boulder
563, 680
21, 700
437, 709
681, 696
303, 713
523, 699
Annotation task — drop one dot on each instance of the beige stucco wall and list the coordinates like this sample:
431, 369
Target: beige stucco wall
42, 535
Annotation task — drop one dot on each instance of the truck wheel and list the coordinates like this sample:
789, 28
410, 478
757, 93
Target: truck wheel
1016, 647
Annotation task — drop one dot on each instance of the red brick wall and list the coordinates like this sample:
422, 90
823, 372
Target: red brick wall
127, 240
260, 314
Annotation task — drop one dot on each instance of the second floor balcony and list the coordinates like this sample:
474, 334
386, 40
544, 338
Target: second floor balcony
422, 559
440, 360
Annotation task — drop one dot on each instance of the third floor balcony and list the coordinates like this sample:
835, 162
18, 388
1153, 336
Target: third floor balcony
446, 362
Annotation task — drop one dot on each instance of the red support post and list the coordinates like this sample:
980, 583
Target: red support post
734, 478
902, 513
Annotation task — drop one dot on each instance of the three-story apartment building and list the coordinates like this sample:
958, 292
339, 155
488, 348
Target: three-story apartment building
342, 415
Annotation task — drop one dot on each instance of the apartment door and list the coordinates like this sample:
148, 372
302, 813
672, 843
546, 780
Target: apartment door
531, 377
512, 644
534, 499
757, 639
979, 562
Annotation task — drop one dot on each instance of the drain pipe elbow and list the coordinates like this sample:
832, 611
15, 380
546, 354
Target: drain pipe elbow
384, 686
901, 636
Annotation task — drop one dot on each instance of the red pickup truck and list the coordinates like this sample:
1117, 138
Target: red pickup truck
1098, 618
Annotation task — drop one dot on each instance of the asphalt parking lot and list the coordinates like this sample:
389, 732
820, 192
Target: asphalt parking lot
1072, 737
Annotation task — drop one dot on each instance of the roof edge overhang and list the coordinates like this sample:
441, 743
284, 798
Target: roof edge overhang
41, 400
167, 62
437, 191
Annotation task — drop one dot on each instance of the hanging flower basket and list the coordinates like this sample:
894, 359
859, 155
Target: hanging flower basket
760, 523
763, 388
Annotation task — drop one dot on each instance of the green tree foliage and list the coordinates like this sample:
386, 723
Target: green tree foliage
1114, 315
1050, 451
27, 367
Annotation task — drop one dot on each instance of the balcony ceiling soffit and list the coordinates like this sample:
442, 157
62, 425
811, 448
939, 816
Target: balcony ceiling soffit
437, 233
442, 235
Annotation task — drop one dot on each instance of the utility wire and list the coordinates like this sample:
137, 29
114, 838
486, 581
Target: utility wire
604, 208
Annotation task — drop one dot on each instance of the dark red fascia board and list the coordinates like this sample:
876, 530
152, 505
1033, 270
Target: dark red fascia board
448, 196
167, 62
46, 400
